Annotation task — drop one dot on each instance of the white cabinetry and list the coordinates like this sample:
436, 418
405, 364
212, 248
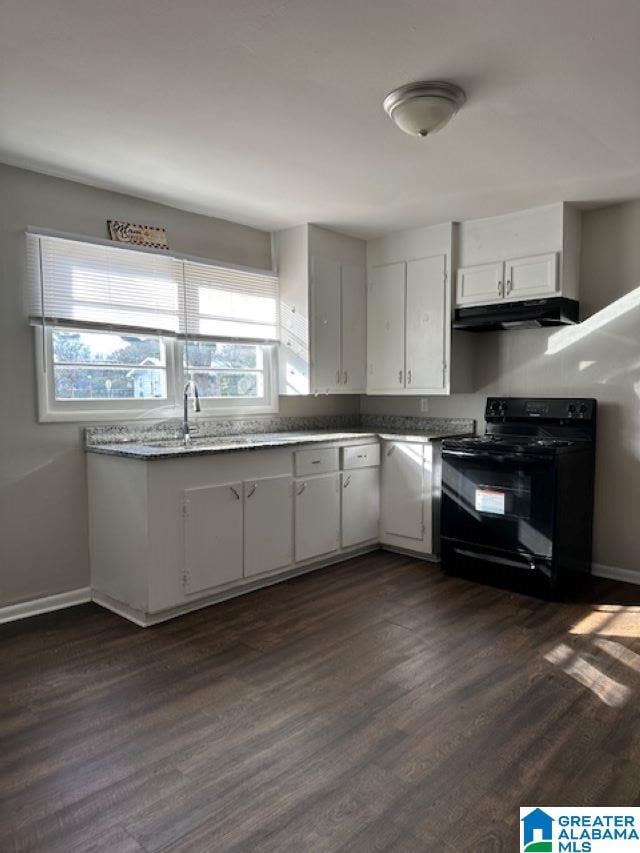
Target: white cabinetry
385, 328
268, 524
409, 340
360, 506
322, 311
525, 278
325, 320
525, 255
167, 536
408, 324
212, 536
480, 285
427, 321
408, 483
353, 327
317, 511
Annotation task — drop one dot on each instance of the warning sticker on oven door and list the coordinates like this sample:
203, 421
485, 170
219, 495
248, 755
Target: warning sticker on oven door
488, 500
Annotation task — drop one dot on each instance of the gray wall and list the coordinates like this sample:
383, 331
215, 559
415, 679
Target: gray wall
43, 498
600, 358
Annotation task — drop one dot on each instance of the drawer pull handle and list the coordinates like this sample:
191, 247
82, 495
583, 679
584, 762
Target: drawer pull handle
315, 461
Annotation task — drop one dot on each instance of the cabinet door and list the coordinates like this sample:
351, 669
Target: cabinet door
427, 320
360, 506
268, 524
480, 285
529, 277
317, 511
353, 327
402, 490
385, 328
325, 325
212, 536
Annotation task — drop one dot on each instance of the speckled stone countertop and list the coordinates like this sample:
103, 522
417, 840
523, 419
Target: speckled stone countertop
163, 441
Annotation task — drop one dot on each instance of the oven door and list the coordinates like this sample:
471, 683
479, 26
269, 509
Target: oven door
499, 500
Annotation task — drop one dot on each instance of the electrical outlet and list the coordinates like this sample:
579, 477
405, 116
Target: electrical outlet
424, 405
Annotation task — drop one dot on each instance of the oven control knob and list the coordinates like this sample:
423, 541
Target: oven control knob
571, 409
583, 409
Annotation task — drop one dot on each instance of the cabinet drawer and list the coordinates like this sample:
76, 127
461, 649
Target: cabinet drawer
361, 456
316, 461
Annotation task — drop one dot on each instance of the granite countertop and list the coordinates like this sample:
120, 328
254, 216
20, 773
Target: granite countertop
170, 448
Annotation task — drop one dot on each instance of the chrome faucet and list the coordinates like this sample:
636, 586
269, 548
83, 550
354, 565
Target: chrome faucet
186, 433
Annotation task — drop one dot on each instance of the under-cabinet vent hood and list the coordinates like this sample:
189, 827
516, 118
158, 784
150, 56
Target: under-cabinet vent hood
528, 314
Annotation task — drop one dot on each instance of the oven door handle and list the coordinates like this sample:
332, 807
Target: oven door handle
495, 457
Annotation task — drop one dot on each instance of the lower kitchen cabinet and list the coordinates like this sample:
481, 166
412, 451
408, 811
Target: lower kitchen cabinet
212, 536
268, 524
360, 506
317, 512
407, 495
170, 535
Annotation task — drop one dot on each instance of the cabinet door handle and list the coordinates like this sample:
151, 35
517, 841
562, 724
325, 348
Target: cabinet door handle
235, 492
346, 482
345, 376
390, 449
302, 488
508, 286
337, 377
400, 377
409, 377
499, 288
252, 491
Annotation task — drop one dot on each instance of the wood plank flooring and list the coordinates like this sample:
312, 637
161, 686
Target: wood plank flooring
373, 706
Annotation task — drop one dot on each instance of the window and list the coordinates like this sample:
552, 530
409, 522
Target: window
121, 329
226, 370
99, 366
91, 375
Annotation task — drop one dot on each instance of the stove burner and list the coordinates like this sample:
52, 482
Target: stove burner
552, 442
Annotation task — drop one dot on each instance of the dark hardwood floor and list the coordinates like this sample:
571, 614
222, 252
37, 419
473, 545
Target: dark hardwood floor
373, 706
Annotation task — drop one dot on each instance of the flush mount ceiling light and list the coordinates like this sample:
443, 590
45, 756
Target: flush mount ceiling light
421, 109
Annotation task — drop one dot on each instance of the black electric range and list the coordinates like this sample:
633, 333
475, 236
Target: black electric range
520, 498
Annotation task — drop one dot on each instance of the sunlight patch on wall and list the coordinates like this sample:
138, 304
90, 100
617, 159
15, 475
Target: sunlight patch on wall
570, 335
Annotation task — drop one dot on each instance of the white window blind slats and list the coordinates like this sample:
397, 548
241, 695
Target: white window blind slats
75, 282
229, 303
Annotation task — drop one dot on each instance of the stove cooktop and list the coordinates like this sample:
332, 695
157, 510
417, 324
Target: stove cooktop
513, 443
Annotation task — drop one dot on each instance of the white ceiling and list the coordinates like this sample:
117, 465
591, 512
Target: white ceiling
269, 112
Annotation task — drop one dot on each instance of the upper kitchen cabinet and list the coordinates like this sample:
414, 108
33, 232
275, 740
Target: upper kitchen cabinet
530, 254
409, 341
322, 311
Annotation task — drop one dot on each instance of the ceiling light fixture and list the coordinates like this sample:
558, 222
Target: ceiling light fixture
421, 109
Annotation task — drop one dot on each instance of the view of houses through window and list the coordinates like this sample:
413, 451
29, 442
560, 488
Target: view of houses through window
91, 365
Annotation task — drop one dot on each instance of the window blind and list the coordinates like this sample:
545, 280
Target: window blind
73, 282
223, 302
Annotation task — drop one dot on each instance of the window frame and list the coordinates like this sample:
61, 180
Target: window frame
81, 411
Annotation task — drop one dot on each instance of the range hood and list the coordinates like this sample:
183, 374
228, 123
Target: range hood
528, 314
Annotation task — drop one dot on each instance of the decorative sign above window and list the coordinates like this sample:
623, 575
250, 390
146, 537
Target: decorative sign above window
141, 235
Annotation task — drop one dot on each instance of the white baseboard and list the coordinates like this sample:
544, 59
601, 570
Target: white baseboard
11, 612
615, 573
